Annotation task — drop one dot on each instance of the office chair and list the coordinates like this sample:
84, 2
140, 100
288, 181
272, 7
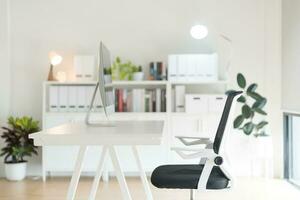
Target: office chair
212, 172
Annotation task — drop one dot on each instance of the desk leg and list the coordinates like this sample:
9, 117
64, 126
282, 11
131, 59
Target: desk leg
119, 174
142, 173
98, 174
76, 174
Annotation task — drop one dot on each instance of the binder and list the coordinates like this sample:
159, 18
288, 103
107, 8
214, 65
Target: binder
63, 98
182, 67
172, 68
200, 67
191, 67
179, 98
72, 100
81, 99
53, 98
89, 67
78, 66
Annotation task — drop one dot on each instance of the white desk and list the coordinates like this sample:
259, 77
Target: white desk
129, 133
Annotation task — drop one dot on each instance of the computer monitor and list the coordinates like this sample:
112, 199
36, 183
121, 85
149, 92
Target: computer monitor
104, 86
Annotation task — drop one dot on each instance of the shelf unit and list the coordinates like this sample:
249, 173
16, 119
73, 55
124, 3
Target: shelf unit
171, 118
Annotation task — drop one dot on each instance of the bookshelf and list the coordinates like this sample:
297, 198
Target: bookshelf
175, 124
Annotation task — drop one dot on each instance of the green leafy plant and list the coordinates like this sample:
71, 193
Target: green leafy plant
137, 69
107, 71
252, 105
16, 137
122, 71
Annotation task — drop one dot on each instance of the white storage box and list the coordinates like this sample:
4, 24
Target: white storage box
216, 103
85, 68
196, 103
193, 67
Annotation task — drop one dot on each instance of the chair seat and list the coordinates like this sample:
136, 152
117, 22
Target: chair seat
187, 177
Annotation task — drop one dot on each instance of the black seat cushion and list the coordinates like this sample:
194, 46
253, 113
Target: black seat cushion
187, 177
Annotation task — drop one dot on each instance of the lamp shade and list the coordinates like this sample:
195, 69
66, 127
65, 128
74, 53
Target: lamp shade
55, 59
199, 32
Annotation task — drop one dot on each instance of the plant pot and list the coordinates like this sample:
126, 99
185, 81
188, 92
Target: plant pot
138, 76
107, 78
15, 171
262, 157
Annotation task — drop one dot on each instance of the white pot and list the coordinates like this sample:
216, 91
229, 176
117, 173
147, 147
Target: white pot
15, 171
107, 78
138, 76
262, 157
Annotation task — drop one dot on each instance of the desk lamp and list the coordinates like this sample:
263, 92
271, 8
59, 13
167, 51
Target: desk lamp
55, 59
199, 32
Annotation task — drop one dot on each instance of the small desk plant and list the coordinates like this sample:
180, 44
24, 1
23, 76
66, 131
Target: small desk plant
252, 106
125, 71
18, 146
138, 74
107, 75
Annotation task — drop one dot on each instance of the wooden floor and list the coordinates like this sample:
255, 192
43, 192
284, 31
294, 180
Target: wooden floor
56, 188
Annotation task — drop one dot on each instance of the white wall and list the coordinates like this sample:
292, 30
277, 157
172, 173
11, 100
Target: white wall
5, 85
273, 82
4, 61
291, 52
142, 31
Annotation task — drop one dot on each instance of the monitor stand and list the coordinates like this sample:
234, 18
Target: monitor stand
104, 123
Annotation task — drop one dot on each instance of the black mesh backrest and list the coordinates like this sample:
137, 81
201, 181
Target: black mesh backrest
223, 121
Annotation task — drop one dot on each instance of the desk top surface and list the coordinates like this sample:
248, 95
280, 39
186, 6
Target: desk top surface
122, 133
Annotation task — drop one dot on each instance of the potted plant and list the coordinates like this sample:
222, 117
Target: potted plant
122, 71
138, 74
252, 105
18, 146
251, 121
107, 75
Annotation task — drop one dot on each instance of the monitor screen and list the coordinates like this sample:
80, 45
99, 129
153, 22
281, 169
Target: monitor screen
105, 82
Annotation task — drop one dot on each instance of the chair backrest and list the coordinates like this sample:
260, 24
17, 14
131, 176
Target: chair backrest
225, 120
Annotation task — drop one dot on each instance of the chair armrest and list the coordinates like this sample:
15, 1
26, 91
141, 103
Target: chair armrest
195, 140
191, 153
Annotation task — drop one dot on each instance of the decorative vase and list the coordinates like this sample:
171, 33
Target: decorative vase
262, 157
107, 78
51, 74
15, 171
138, 76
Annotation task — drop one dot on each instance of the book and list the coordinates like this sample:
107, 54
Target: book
163, 101
153, 99
158, 100
147, 102
124, 101
120, 100
156, 70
